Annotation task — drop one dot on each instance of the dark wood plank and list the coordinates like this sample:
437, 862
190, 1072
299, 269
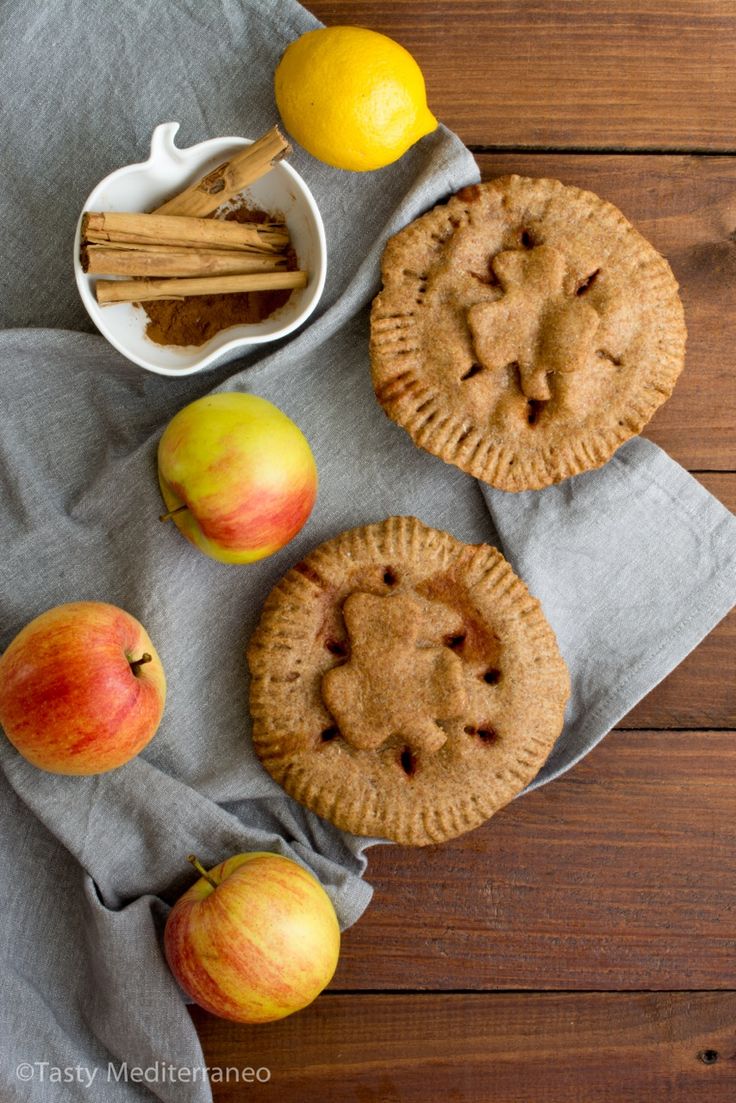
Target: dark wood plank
636, 74
700, 692
722, 485
581, 1048
686, 206
616, 876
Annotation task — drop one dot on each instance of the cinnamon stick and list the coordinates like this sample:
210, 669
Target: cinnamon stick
229, 178
210, 247
153, 229
138, 291
108, 260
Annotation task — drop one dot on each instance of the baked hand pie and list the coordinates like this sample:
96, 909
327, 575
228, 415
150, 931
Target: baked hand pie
404, 684
524, 331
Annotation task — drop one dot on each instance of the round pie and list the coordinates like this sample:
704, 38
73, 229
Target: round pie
404, 684
524, 331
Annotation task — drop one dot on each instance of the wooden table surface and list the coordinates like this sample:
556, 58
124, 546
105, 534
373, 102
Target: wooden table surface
580, 946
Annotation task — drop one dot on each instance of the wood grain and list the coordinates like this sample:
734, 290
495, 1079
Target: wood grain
686, 206
700, 692
635, 74
472, 1048
615, 876
722, 485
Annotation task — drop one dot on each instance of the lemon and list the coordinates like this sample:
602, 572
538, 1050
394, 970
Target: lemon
353, 98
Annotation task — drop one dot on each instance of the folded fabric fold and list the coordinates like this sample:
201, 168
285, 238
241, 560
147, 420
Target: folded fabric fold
634, 564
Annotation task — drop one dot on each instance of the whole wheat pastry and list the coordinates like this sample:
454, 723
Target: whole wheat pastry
404, 684
524, 331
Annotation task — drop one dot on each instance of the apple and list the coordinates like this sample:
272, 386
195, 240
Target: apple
237, 476
82, 689
254, 939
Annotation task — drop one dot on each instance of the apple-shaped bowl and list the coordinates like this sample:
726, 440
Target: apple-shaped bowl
144, 186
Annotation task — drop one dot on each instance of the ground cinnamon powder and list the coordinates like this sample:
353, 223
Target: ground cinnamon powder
192, 321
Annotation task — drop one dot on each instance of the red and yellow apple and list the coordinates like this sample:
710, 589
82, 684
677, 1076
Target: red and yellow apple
254, 939
82, 689
237, 475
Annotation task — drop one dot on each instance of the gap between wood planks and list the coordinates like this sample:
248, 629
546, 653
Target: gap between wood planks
728, 730
523, 992
603, 151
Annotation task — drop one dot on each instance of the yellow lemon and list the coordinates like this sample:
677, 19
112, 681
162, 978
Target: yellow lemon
352, 97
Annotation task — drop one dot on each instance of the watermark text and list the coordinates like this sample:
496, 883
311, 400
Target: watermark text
160, 1072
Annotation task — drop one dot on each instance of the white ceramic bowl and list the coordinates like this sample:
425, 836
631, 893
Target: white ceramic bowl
167, 171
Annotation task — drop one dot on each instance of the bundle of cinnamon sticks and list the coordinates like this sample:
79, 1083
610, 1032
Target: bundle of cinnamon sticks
177, 250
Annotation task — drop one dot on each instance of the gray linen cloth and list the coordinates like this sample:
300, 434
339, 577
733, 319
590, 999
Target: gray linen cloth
634, 564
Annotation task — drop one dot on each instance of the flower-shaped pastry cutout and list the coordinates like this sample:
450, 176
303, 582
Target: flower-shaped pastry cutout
536, 324
394, 684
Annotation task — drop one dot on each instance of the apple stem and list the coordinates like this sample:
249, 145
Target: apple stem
145, 658
172, 513
201, 870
